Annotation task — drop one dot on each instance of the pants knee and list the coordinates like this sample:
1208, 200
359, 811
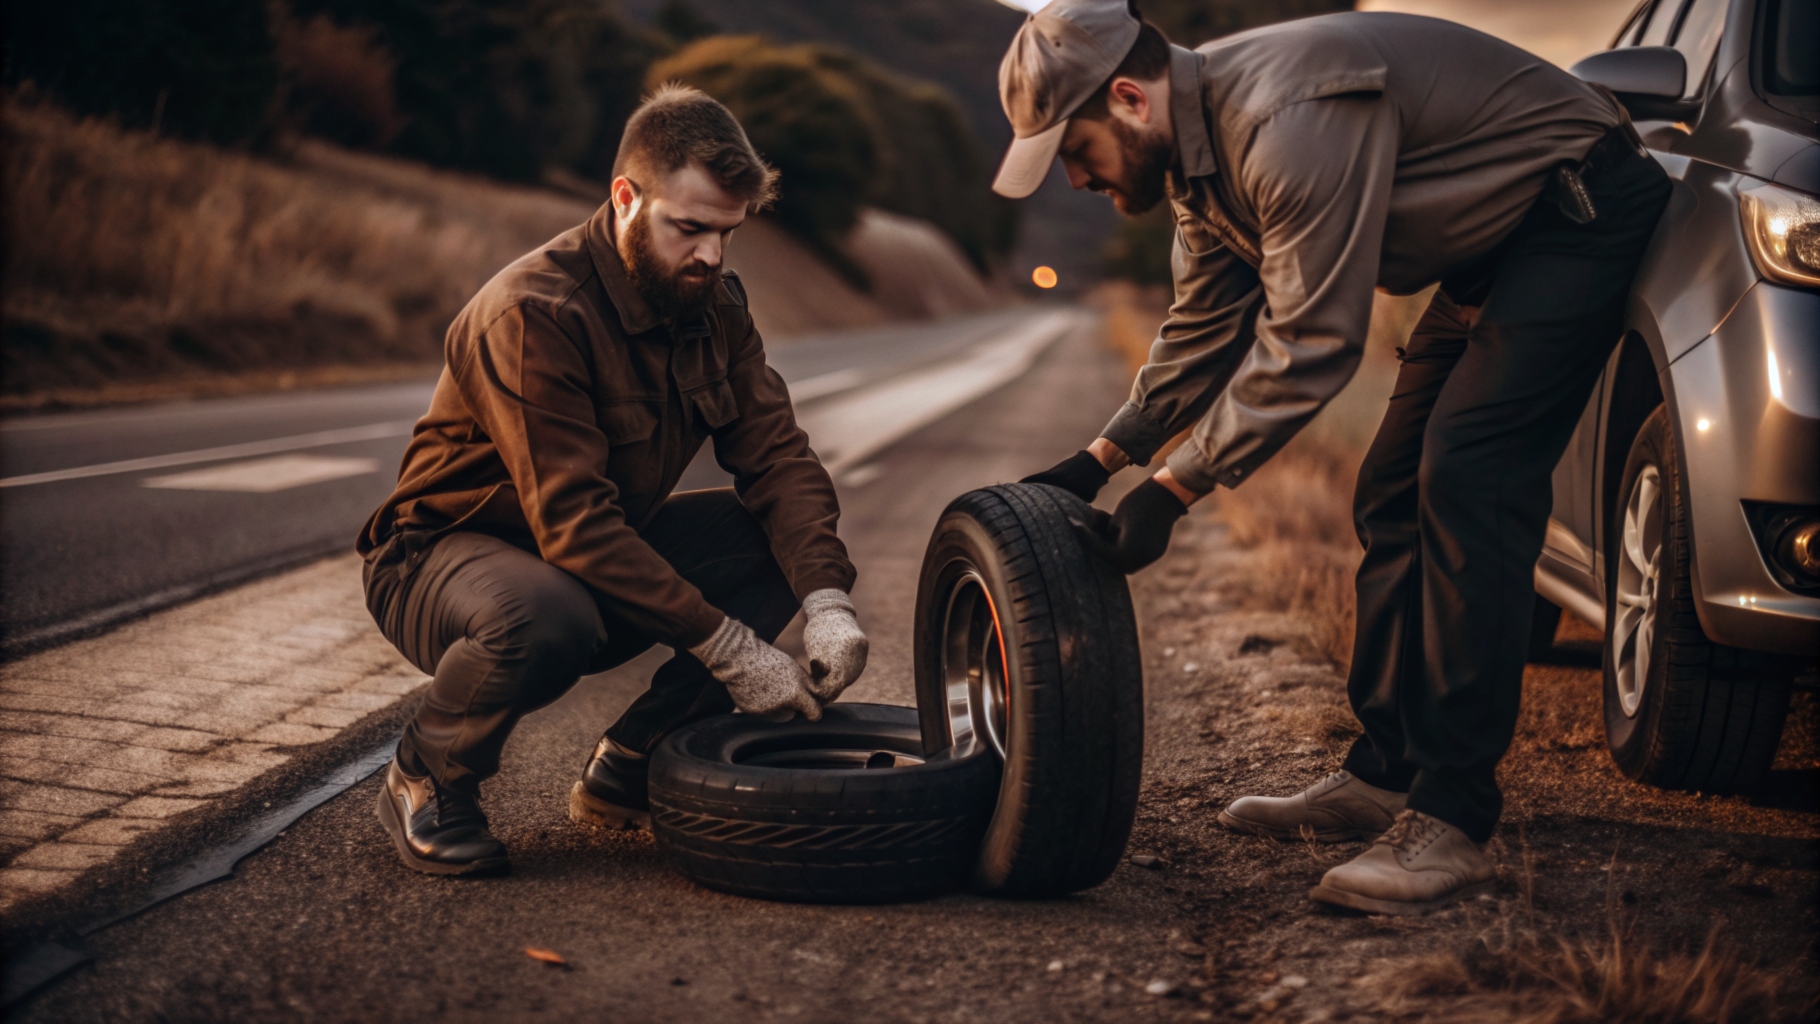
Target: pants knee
552, 629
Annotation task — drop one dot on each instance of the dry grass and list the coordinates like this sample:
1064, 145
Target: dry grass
1515, 973
137, 264
131, 256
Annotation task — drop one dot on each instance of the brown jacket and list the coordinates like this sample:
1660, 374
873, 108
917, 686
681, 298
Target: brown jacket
567, 412
1321, 158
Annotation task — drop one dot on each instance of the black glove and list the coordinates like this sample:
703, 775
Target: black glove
1079, 474
1137, 533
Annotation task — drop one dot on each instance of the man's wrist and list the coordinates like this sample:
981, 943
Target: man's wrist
1109, 455
1173, 486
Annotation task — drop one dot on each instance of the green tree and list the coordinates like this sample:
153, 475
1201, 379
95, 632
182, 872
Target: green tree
810, 123
846, 133
203, 69
508, 88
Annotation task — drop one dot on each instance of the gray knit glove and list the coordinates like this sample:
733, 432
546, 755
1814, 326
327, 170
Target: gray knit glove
761, 679
836, 646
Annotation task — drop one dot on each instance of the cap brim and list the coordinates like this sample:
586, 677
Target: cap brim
1027, 162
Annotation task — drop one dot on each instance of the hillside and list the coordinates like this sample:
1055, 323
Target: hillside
138, 266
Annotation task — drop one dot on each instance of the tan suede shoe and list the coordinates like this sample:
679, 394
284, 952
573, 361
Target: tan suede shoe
1338, 808
1421, 864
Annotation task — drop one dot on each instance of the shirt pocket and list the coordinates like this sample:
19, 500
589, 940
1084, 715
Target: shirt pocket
1195, 238
627, 423
715, 403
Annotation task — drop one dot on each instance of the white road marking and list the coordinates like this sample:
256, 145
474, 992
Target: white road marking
849, 430
860, 476
318, 439
825, 384
263, 476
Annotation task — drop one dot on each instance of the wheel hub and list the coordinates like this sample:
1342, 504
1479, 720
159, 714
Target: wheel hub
1638, 579
973, 666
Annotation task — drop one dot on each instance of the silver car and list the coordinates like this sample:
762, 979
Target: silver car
1686, 515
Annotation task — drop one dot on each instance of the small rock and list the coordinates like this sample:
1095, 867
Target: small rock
1168, 652
1191, 667
1055, 966
1145, 860
1294, 981
1160, 988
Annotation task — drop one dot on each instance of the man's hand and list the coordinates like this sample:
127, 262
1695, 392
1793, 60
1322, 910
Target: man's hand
761, 679
1137, 533
1080, 474
836, 646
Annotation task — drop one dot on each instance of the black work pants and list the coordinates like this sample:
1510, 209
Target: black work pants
502, 632
1454, 494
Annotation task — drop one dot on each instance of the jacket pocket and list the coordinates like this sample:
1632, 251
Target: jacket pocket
715, 403
627, 422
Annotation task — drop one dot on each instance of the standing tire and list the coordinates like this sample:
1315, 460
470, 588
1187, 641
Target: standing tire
844, 810
1026, 647
1681, 712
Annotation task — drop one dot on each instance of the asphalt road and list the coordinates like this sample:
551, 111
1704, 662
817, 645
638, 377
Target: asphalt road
106, 515
325, 924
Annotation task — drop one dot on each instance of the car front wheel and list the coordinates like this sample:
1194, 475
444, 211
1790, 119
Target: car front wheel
1681, 712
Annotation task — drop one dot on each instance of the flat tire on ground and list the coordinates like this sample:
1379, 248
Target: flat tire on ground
1681, 712
1026, 645
844, 810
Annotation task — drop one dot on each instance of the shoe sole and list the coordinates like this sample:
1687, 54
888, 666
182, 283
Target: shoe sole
1400, 908
588, 809
1271, 832
388, 816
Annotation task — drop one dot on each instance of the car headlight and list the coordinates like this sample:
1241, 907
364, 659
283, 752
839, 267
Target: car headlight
1783, 229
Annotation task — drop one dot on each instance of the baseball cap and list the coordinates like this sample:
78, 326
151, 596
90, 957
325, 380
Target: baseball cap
1060, 57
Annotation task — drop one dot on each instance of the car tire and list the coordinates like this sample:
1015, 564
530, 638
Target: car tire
1681, 712
1025, 644
844, 810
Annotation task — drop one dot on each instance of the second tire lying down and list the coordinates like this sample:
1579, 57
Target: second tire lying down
844, 810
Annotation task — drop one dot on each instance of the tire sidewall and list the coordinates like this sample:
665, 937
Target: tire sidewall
1630, 738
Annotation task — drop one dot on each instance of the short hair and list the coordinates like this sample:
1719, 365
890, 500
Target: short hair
1147, 60
678, 125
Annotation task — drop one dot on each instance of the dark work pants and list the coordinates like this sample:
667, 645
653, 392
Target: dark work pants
1454, 494
503, 633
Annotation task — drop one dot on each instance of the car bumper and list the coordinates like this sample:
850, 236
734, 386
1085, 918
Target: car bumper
1747, 436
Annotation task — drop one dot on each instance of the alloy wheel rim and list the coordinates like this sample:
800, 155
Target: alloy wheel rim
973, 666
1639, 576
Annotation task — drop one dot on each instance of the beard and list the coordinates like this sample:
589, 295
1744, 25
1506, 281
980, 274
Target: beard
675, 294
1146, 157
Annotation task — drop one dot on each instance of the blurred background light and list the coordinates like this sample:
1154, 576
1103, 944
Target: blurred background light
1044, 277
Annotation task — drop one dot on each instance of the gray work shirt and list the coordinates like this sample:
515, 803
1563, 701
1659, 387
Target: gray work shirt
1320, 159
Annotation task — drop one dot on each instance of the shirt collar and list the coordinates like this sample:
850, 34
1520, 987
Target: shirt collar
1185, 112
635, 314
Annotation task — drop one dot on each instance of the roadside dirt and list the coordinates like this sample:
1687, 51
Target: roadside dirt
1244, 701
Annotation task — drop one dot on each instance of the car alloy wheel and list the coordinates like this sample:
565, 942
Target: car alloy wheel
1639, 581
973, 664
1680, 710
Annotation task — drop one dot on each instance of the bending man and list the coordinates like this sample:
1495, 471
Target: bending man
1307, 164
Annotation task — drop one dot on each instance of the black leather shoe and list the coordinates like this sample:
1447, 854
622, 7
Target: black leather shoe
437, 830
612, 790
